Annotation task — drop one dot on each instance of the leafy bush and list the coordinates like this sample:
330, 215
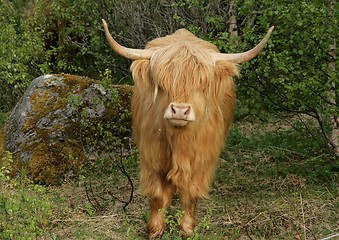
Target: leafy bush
292, 76
21, 54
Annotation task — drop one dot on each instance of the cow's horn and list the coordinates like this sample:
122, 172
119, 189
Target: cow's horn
245, 56
130, 53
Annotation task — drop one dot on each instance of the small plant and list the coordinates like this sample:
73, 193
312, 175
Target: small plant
5, 167
25, 210
174, 221
172, 224
108, 82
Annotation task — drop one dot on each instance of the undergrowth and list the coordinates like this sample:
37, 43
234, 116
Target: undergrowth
273, 182
26, 209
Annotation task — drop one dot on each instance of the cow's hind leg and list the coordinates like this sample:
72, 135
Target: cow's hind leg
158, 206
188, 221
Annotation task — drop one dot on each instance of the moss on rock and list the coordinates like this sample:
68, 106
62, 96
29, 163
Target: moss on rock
62, 121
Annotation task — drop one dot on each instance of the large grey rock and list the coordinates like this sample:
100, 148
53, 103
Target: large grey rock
62, 121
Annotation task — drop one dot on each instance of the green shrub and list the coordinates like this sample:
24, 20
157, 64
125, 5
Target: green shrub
22, 55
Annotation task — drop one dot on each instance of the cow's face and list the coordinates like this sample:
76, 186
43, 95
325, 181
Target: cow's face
182, 77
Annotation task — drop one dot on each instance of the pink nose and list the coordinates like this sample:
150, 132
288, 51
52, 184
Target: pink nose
180, 111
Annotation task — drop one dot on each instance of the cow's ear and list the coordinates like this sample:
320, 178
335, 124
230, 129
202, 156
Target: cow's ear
224, 69
141, 73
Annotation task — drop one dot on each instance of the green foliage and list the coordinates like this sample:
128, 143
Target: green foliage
6, 161
40, 37
107, 81
21, 54
3, 119
173, 220
292, 75
25, 210
172, 223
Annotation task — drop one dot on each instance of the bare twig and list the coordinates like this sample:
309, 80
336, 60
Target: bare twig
114, 197
88, 219
253, 219
287, 150
121, 167
90, 195
334, 236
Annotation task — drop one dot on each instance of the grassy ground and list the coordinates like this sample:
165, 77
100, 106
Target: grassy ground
273, 182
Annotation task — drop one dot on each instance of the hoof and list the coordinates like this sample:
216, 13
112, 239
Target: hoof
187, 227
186, 231
155, 229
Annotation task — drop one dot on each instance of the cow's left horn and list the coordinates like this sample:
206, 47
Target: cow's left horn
130, 53
245, 56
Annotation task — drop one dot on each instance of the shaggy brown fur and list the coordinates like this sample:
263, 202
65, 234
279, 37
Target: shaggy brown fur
180, 159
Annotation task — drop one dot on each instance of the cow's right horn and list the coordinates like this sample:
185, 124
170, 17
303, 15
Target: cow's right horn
130, 53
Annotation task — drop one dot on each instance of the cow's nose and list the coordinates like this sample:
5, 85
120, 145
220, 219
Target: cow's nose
180, 111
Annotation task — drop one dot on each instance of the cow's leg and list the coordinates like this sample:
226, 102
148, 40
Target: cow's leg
158, 205
189, 206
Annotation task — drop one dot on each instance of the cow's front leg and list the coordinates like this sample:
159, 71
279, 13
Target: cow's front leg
158, 206
188, 222
156, 222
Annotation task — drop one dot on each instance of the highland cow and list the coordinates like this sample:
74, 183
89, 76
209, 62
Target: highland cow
182, 109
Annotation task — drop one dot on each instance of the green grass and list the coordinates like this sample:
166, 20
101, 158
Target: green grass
273, 182
26, 210
277, 184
